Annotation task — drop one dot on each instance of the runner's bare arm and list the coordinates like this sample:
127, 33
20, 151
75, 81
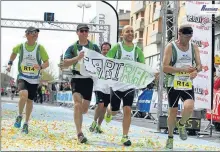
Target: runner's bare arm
12, 57
45, 64
197, 59
166, 61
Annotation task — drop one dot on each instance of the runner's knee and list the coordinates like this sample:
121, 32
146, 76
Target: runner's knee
189, 104
172, 113
101, 105
127, 110
23, 94
77, 98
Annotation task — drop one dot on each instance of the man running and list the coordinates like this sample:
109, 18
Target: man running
102, 92
13, 89
82, 86
178, 64
31, 55
125, 50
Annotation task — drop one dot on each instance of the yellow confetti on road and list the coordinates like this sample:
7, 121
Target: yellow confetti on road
61, 136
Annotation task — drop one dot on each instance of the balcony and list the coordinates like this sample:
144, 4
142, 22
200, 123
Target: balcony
139, 42
156, 37
138, 6
157, 13
139, 25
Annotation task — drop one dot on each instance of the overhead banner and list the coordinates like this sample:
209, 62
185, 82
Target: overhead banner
202, 37
114, 71
106, 14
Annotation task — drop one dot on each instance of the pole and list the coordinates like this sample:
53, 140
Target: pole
83, 12
212, 72
160, 88
116, 6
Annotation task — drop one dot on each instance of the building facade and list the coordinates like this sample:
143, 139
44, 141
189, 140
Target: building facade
146, 18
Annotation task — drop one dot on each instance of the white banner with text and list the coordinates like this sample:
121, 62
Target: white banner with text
115, 71
202, 37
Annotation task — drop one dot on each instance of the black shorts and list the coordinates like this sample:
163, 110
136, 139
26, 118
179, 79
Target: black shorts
102, 98
174, 96
13, 92
31, 88
126, 96
83, 86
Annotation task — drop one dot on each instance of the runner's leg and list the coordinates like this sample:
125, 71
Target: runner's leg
173, 99
127, 103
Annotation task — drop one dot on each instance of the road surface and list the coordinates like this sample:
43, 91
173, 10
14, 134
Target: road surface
52, 129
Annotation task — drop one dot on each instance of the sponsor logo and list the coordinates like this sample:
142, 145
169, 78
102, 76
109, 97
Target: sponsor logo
201, 91
200, 43
198, 19
210, 9
205, 68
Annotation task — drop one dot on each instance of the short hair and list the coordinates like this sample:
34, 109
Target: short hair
105, 43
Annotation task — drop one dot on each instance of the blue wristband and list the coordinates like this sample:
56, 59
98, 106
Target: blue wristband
10, 63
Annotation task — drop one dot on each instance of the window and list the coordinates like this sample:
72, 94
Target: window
146, 35
154, 7
132, 21
137, 16
142, 14
149, 20
135, 35
141, 34
153, 27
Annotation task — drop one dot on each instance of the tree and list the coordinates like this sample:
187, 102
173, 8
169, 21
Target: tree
48, 74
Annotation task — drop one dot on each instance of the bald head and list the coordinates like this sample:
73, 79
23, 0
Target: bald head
126, 27
128, 33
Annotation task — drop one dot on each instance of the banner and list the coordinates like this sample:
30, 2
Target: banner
202, 37
105, 14
216, 108
115, 71
64, 97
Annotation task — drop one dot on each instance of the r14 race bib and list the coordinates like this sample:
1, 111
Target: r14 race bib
182, 81
28, 69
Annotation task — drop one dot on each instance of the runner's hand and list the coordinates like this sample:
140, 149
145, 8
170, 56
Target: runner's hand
81, 55
189, 69
8, 68
37, 67
193, 74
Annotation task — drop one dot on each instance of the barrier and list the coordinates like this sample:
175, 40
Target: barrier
216, 108
144, 101
64, 97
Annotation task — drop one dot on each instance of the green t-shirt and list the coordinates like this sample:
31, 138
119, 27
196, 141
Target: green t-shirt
112, 53
43, 52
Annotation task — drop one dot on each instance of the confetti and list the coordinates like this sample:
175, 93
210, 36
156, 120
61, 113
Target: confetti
61, 136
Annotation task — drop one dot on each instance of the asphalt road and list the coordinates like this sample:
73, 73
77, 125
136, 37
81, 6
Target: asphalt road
52, 128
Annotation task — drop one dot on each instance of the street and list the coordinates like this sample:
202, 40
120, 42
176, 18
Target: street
52, 129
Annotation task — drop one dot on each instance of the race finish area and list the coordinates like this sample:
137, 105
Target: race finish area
52, 129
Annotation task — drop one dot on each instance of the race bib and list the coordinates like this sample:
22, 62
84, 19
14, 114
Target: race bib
28, 69
182, 81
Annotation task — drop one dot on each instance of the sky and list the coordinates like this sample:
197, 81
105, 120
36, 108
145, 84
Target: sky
54, 42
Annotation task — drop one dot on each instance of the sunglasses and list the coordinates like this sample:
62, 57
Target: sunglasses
81, 31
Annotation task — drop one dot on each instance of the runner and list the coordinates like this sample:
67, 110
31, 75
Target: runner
81, 86
124, 50
102, 92
181, 62
13, 89
30, 56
